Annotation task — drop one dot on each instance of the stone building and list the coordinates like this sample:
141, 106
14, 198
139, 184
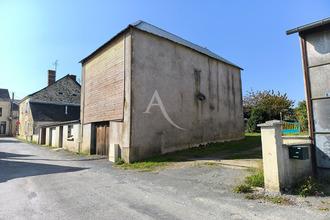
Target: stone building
58, 102
315, 49
8, 114
147, 92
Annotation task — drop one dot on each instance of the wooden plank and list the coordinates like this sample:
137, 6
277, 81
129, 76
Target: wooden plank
102, 140
104, 84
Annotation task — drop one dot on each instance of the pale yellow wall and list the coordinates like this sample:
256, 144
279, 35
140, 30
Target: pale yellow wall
5, 105
25, 116
71, 143
13, 122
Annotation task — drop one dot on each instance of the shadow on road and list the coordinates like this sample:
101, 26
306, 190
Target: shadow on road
13, 169
8, 140
4, 155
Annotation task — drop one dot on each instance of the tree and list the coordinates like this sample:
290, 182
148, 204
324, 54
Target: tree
272, 102
258, 116
301, 115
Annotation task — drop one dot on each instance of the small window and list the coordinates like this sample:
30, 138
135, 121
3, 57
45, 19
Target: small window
0, 112
70, 127
26, 107
74, 94
61, 93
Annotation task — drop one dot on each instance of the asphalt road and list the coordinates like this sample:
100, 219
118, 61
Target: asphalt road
40, 183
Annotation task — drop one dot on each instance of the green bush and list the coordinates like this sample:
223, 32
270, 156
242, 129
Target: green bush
301, 115
258, 116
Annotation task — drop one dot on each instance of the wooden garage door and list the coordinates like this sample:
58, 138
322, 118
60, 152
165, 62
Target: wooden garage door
102, 140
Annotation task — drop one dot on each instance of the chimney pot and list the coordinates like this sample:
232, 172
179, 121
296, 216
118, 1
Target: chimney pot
51, 77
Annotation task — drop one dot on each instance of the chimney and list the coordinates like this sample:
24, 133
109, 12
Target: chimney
51, 77
73, 77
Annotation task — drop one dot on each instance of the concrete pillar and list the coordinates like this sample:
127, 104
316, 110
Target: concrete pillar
47, 142
56, 137
273, 155
113, 152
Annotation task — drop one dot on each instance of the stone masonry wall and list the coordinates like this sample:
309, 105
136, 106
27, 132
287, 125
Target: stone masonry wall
65, 90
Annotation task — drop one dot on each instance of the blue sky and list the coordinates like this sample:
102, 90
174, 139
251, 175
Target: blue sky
251, 34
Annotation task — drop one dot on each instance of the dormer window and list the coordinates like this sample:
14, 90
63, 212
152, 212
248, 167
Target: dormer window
74, 94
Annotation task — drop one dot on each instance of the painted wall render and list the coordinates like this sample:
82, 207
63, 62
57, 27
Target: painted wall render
167, 114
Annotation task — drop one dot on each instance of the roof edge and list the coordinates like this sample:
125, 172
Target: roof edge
134, 26
60, 123
308, 26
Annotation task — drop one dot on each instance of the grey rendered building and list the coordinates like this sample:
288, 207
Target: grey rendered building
315, 48
147, 92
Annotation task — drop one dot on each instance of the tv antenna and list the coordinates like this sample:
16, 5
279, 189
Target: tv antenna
56, 64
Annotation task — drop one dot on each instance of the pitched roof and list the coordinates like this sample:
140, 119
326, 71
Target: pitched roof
67, 76
42, 111
4, 95
144, 26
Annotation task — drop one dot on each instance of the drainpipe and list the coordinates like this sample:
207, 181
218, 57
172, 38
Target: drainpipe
308, 101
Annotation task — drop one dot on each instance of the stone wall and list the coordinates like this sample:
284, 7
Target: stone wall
65, 90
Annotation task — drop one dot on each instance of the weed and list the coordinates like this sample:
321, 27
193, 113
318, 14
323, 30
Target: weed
209, 163
242, 189
81, 153
50, 146
307, 187
323, 209
66, 149
120, 161
249, 196
256, 180
277, 199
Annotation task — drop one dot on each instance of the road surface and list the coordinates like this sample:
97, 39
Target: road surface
40, 183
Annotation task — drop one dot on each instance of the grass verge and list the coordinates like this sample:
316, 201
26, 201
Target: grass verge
251, 141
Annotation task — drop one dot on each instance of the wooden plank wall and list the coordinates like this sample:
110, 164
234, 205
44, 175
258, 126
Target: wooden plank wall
104, 84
